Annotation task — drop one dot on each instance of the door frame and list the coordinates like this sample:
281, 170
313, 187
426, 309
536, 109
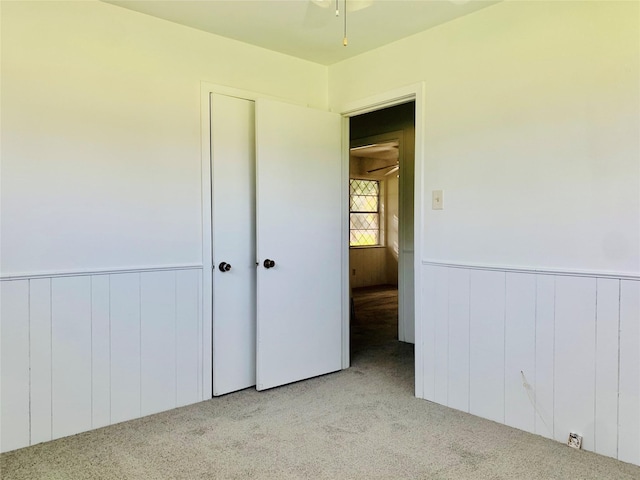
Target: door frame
414, 92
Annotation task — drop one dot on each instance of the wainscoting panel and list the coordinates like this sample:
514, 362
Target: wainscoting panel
158, 341
188, 328
70, 355
370, 266
429, 281
549, 352
607, 325
85, 350
543, 393
486, 345
40, 347
458, 339
575, 340
629, 406
14, 375
125, 356
100, 351
520, 350
441, 337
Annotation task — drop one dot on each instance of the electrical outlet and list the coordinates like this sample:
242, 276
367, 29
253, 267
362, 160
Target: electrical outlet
436, 200
575, 441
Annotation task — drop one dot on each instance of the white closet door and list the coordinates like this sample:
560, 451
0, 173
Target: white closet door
299, 227
233, 212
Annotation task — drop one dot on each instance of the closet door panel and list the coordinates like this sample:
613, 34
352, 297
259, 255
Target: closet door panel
233, 220
299, 228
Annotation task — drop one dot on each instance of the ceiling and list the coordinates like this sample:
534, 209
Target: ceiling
309, 29
374, 161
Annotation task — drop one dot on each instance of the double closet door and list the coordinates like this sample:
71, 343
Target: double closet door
277, 243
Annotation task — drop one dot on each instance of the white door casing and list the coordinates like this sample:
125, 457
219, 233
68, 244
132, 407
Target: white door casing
233, 232
299, 227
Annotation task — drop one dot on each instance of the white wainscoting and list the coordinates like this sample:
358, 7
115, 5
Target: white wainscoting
87, 350
546, 352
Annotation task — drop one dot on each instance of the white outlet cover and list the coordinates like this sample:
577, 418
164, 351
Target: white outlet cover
436, 200
575, 441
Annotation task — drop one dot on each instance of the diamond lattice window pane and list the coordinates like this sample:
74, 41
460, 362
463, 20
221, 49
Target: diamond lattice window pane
360, 203
364, 187
364, 229
360, 238
364, 220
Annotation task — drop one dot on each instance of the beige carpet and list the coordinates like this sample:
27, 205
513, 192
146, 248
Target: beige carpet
361, 423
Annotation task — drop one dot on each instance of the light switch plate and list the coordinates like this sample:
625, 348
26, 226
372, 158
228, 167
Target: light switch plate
436, 200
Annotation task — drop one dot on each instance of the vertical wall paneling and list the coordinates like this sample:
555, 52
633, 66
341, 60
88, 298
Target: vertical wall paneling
549, 353
14, 373
100, 352
487, 305
124, 306
607, 324
575, 338
629, 406
458, 361
441, 336
187, 336
40, 348
71, 355
158, 341
429, 279
407, 294
85, 351
205, 346
520, 335
544, 341
367, 266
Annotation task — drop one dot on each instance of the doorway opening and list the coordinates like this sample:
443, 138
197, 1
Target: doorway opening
381, 258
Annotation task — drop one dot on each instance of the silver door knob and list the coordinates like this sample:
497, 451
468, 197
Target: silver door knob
269, 263
224, 267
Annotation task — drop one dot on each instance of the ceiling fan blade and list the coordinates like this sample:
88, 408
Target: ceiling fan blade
355, 5
393, 170
382, 168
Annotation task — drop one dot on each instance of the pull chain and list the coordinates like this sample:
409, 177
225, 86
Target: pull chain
345, 41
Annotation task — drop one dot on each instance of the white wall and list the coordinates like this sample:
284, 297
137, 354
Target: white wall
101, 209
532, 125
101, 132
532, 129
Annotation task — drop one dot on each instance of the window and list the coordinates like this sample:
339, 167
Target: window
364, 212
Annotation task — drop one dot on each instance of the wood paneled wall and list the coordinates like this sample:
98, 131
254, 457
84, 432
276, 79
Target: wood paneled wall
85, 351
549, 353
369, 265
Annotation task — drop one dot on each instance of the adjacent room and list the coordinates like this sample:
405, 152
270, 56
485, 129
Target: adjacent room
381, 161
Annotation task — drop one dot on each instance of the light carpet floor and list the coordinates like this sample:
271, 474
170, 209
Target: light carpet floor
360, 423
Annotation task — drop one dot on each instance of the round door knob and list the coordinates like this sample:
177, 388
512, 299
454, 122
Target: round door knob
224, 267
269, 263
